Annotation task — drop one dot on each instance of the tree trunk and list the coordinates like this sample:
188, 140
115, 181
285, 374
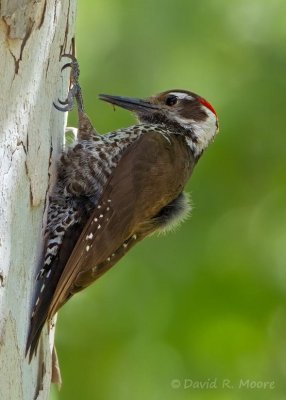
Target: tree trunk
33, 35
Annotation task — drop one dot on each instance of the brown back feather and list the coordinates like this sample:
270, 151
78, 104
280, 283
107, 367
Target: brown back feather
151, 173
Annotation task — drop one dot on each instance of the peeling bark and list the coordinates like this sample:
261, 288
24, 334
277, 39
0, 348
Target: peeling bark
33, 34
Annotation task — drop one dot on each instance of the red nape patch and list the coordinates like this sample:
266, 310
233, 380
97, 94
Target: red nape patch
208, 105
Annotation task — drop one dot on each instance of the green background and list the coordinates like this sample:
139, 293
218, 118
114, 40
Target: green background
206, 303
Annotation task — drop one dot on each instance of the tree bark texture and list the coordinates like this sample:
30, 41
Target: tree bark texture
33, 35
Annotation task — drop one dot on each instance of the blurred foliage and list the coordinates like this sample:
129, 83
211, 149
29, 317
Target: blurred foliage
208, 301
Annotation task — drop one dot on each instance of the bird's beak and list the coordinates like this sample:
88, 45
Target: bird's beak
131, 104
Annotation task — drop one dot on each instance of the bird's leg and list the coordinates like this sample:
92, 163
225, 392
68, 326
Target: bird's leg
85, 129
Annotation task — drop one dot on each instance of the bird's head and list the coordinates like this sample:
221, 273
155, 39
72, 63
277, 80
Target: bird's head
181, 111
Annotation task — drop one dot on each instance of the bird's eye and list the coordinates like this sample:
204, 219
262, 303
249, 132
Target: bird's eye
171, 100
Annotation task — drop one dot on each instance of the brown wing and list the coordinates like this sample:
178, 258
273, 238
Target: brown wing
152, 172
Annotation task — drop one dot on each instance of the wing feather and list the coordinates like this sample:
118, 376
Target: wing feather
147, 178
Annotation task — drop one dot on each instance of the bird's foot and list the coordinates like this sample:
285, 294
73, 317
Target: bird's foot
74, 89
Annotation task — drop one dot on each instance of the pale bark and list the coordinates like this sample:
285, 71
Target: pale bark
33, 34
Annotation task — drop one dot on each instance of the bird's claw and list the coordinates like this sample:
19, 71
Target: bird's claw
63, 109
70, 56
66, 101
74, 90
66, 66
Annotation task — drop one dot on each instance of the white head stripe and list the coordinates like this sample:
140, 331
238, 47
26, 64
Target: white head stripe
182, 96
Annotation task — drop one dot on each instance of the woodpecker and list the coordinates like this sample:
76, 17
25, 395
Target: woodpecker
113, 190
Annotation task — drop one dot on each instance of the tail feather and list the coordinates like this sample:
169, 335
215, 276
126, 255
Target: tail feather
40, 313
33, 338
46, 286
